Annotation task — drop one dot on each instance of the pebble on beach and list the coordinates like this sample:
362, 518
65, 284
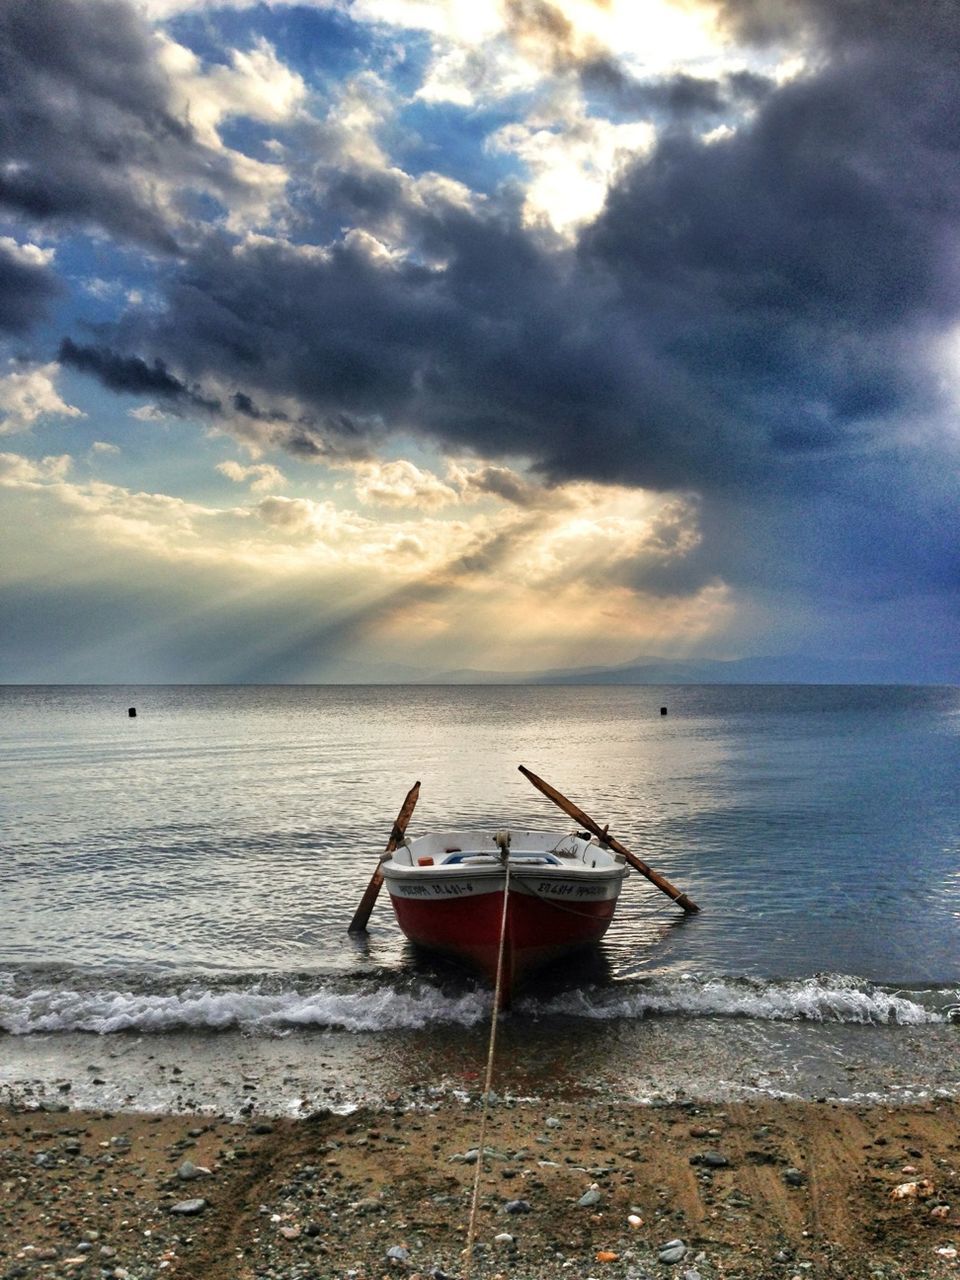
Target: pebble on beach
517, 1206
371, 1194
671, 1252
187, 1208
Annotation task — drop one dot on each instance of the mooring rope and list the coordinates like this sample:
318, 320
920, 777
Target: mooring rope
491, 1050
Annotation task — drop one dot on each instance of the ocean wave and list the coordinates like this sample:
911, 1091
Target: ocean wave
823, 998
104, 1012
274, 1008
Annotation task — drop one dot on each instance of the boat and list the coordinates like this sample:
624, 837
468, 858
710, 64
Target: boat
447, 890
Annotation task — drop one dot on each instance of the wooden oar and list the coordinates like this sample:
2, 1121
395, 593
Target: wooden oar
362, 914
585, 820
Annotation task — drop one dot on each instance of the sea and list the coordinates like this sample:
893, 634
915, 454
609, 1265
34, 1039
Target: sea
176, 886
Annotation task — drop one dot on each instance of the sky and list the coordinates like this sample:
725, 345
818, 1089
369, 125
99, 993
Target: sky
357, 337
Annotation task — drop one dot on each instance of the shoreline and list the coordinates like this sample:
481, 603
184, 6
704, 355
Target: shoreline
655, 1059
753, 1189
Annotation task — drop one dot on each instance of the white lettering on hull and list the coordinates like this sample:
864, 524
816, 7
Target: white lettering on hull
564, 890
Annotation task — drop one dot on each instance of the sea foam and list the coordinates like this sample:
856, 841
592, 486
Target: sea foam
823, 998
386, 1006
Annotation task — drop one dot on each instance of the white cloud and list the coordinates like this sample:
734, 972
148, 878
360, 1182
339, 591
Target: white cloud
28, 394
28, 255
465, 75
572, 160
476, 482
481, 51
401, 484
149, 413
262, 476
563, 567
103, 448
17, 471
275, 535
101, 289
322, 521
256, 85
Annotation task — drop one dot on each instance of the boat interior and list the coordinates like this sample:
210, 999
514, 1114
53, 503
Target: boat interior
526, 848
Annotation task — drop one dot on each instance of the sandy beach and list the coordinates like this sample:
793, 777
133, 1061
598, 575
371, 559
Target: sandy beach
574, 1189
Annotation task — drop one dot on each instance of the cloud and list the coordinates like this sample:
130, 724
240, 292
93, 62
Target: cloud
95, 116
255, 85
401, 484
17, 471
262, 476
751, 318
85, 115
28, 394
27, 255
273, 536
380, 574
476, 481
750, 303
335, 437
132, 375
27, 285
149, 413
572, 159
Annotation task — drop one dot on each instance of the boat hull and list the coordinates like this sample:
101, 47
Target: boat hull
538, 931
447, 892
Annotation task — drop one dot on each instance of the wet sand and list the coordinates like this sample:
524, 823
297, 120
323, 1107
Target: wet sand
756, 1189
641, 1060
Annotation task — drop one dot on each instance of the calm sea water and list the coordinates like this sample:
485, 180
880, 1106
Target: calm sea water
194, 869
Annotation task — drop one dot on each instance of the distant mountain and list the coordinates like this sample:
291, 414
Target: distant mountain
788, 669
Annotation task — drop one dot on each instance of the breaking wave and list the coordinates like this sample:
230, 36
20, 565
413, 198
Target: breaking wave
824, 998
249, 1010
33, 1003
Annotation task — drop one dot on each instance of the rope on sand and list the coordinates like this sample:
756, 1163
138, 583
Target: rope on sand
503, 840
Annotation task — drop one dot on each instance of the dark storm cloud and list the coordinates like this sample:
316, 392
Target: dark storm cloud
337, 435
132, 375
26, 291
912, 27
741, 312
795, 272
679, 97
245, 405
751, 319
86, 124
548, 35
334, 437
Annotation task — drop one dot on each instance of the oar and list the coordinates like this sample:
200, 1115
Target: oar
585, 820
362, 914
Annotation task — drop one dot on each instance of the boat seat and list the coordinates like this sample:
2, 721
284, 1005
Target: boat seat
485, 859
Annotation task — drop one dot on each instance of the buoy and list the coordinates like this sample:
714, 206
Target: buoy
663, 711
131, 712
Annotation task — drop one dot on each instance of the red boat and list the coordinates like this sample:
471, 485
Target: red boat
447, 892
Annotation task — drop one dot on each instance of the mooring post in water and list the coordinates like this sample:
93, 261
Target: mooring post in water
662, 883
